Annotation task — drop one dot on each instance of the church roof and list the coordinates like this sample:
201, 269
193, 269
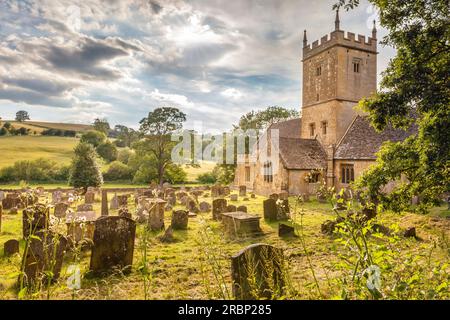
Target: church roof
288, 128
302, 154
362, 142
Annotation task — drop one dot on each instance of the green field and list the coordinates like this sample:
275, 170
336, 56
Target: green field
39, 126
15, 148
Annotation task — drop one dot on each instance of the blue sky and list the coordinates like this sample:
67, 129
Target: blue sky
73, 61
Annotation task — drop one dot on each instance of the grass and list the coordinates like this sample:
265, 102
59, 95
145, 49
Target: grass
40, 126
193, 173
178, 270
14, 148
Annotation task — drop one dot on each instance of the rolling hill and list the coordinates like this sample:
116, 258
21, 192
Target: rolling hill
39, 126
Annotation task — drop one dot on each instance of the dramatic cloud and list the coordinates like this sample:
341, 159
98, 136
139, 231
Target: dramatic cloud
65, 60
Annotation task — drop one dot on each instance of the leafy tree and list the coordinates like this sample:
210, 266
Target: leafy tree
107, 151
262, 119
207, 178
102, 125
123, 155
85, 171
7, 125
125, 136
118, 171
157, 129
415, 89
22, 115
95, 138
3, 131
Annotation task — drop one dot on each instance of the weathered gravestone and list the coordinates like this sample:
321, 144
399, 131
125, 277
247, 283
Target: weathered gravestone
89, 197
123, 200
60, 209
231, 208
241, 209
283, 195
218, 206
274, 196
80, 225
114, 204
156, 214
104, 210
192, 206
240, 224
44, 257
180, 220
226, 191
12, 200
204, 207
11, 247
285, 230
270, 209
113, 245
234, 197
242, 191
85, 207
57, 196
35, 219
257, 273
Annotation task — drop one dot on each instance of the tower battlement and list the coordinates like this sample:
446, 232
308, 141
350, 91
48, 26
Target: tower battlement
340, 38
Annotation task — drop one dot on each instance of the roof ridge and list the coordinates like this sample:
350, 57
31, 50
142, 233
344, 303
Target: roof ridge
346, 131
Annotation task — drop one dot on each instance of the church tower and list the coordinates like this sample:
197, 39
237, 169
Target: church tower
337, 73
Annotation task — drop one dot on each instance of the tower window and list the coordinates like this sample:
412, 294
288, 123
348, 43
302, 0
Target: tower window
319, 71
312, 129
356, 66
247, 174
347, 173
324, 127
317, 97
268, 172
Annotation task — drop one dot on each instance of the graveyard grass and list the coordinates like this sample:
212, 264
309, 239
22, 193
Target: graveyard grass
180, 270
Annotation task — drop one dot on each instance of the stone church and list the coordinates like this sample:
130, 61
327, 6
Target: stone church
331, 141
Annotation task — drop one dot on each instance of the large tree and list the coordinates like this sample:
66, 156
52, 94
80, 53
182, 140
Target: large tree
157, 128
22, 115
85, 171
102, 125
125, 136
415, 89
263, 118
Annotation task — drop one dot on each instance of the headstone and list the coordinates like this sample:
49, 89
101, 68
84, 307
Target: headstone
12, 200
192, 206
410, 233
114, 204
242, 191
285, 230
274, 196
56, 196
283, 209
257, 273
270, 209
226, 191
105, 211
113, 245
34, 219
180, 219
80, 225
11, 247
204, 207
122, 200
168, 207
156, 214
283, 195
168, 235
60, 209
172, 199
234, 197
231, 208
85, 207
242, 209
89, 197
218, 206
240, 223
44, 257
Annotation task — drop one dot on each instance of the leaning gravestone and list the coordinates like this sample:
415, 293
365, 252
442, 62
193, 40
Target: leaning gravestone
270, 209
11, 247
44, 257
219, 206
180, 220
257, 273
60, 209
89, 197
113, 245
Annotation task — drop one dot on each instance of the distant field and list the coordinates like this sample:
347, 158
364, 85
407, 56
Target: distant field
14, 148
39, 126
193, 173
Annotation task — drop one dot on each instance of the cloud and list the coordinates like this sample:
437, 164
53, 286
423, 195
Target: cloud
232, 93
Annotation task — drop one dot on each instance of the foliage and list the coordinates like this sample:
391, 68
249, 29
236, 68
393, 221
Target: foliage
175, 174
95, 138
22, 115
123, 155
107, 151
157, 129
414, 90
85, 171
101, 125
262, 119
59, 133
125, 136
207, 178
117, 171
224, 173
34, 170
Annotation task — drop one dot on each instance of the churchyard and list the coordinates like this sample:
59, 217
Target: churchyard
211, 242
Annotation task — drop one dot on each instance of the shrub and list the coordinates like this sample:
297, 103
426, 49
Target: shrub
4, 131
36, 170
107, 151
93, 137
117, 171
85, 171
123, 155
207, 178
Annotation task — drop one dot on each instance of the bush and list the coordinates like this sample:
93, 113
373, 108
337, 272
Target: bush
4, 131
123, 155
37, 170
93, 137
117, 171
59, 133
85, 171
107, 151
207, 178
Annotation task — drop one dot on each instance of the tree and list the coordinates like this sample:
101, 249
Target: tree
157, 128
262, 119
101, 125
118, 171
125, 136
107, 151
85, 171
22, 116
415, 89
95, 138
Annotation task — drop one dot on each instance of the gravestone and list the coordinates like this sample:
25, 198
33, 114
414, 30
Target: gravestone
274, 196
192, 206
180, 219
105, 211
85, 207
242, 191
283, 195
231, 208
89, 197
204, 207
2, 195
257, 273
270, 209
156, 214
172, 199
123, 212
60, 209
283, 210
114, 204
234, 197
218, 206
11, 247
285, 230
113, 245
242, 209
45, 254
168, 207
122, 200
168, 235
80, 225
226, 191
240, 223
35, 219
12, 200
56, 196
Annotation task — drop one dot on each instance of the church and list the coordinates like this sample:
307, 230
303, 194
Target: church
331, 141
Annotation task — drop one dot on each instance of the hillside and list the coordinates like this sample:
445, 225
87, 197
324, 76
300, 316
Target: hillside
39, 126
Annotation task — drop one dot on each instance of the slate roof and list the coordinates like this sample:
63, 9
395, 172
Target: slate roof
361, 141
302, 154
288, 128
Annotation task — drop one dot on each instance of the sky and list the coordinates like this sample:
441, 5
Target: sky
74, 61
